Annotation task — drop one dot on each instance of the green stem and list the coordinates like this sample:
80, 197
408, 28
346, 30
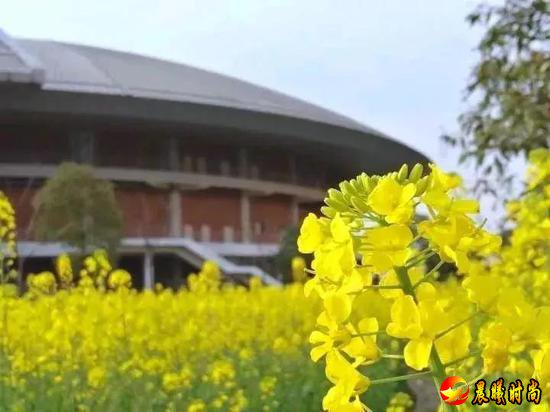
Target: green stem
374, 287
474, 380
376, 219
436, 366
431, 212
463, 358
383, 287
416, 238
456, 325
438, 375
400, 378
427, 275
405, 281
359, 335
388, 356
420, 257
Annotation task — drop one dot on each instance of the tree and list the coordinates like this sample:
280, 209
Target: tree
79, 209
288, 249
510, 86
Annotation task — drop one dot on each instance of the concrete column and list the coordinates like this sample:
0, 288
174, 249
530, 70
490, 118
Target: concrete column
245, 218
292, 167
174, 213
243, 162
83, 146
148, 270
294, 211
173, 154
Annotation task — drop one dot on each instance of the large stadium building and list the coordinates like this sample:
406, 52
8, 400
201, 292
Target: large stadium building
205, 166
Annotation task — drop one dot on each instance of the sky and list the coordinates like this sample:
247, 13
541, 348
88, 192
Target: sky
399, 66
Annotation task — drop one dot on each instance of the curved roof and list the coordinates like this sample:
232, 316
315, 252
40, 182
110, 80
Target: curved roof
71, 68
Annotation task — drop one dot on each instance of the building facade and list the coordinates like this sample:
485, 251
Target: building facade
204, 165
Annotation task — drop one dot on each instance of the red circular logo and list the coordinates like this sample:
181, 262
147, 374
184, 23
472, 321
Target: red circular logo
454, 390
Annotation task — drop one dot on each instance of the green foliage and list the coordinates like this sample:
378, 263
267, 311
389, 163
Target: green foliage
287, 251
510, 86
300, 386
79, 209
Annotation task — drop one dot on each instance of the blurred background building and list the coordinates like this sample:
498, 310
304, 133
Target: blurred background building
205, 166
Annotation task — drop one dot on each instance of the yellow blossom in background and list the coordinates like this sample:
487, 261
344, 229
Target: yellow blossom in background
42, 283
64, 269
209, 346
119, 278
297, 267
96, 377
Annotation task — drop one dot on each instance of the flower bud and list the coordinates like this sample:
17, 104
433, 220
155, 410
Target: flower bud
357, 184
359, 204
422, 185
336, 205
328, 211
416, 173
347, 189
336, 195
365, 182
402, 174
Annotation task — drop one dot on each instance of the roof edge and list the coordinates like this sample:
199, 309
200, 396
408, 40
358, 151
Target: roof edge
34, 72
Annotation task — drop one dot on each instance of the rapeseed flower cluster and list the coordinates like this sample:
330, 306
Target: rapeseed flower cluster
376, 237
7, 241
514, 291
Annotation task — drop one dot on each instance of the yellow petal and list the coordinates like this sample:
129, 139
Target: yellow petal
405, 319
318, 352
311, 234
339, 230
338, 306
417, 353
317, 337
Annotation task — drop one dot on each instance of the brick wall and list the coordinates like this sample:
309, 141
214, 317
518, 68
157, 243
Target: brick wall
270, 216
216, 208
145, 211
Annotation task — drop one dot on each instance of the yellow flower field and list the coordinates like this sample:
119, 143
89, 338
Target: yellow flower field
101, 346
229, 349
92, 343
